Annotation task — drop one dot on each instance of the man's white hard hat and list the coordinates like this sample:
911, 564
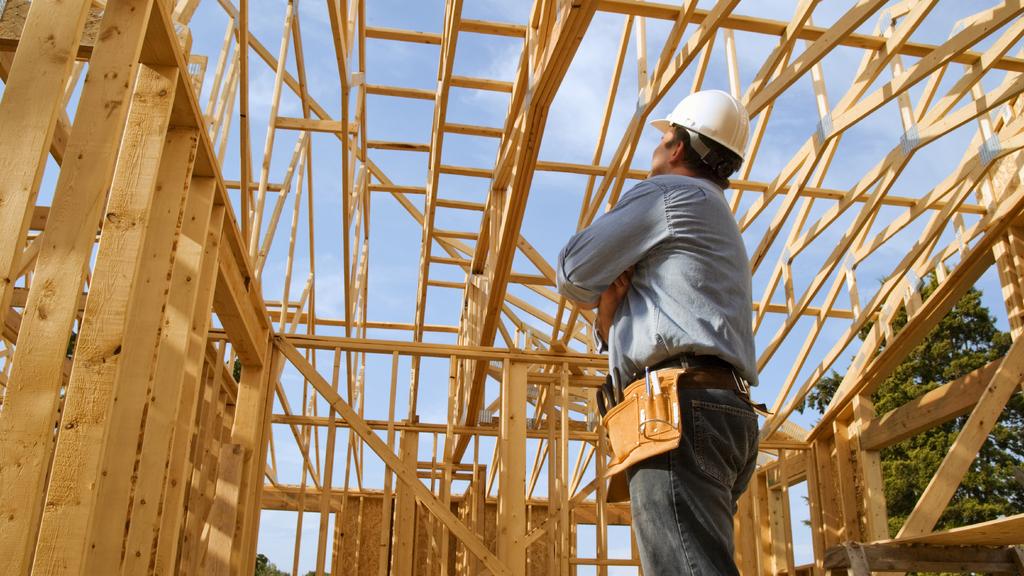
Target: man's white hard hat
713, 114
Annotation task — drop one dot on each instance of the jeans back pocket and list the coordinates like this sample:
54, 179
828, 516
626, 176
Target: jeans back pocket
724, 436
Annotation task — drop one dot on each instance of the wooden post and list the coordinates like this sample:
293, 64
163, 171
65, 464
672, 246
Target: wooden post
136, 228
33, 384
764, 523
171, 385
32, 99
564, 519
831, 509
194, 392
386, 502
131, 384
601, 527
512, 473
781, 529
554, 501
262, 383
403, 547
869, 463
479, 512
847, 484
223, 514
815, 498
203, 488
745, 533
328, 481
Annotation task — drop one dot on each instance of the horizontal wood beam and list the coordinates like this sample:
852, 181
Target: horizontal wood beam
928, 410
461, 235
397, 189
492, 28
287, 497
20, 297
441, 475
401, 146
380, 33
429, 350
459, 204
423, 464
467, 171
451, 261
577, 429
482, 84
400, 92
1002, 532
883, 557
235, 185
808, 311
471, 130
313, 125
530, 279
446, 284
303, 318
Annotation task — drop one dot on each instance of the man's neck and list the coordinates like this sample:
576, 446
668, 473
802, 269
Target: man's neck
683, 171
679, 171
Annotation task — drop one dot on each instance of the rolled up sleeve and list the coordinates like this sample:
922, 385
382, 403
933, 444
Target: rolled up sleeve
595, 256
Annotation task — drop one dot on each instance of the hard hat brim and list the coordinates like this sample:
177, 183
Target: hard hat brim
661, 125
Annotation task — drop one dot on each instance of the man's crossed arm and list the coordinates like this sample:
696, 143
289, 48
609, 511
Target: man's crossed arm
608, 303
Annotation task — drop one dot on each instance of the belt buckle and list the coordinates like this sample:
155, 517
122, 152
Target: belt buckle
741, 385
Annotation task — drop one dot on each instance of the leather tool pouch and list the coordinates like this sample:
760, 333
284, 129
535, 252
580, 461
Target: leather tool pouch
641, 426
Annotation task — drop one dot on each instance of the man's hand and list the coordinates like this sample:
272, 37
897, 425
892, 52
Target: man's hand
610, 300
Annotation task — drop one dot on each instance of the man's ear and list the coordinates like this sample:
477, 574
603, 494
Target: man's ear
677, 153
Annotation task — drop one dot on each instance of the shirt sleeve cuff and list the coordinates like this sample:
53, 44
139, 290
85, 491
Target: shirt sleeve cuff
574, 292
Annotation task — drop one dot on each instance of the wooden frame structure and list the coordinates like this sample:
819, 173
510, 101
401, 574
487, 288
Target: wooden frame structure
133, 288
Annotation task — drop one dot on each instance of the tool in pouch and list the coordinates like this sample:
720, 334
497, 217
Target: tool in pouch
644, 423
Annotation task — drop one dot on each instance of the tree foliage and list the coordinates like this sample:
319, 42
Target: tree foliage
966, 339
264, 567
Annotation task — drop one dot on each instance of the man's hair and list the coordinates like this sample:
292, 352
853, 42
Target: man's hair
718, 162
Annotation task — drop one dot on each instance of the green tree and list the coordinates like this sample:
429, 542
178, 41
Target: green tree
264, 567
966, 339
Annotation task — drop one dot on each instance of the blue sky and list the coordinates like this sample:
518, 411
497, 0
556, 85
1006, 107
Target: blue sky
554, 198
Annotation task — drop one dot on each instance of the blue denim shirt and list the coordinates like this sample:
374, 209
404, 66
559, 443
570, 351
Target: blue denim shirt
691, 282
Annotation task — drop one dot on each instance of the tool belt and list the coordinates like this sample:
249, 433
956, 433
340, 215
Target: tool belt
647, 421
642, 425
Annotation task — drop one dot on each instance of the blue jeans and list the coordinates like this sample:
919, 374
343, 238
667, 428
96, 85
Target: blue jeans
683, 501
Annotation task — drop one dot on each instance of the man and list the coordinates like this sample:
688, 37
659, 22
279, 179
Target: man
668, 272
